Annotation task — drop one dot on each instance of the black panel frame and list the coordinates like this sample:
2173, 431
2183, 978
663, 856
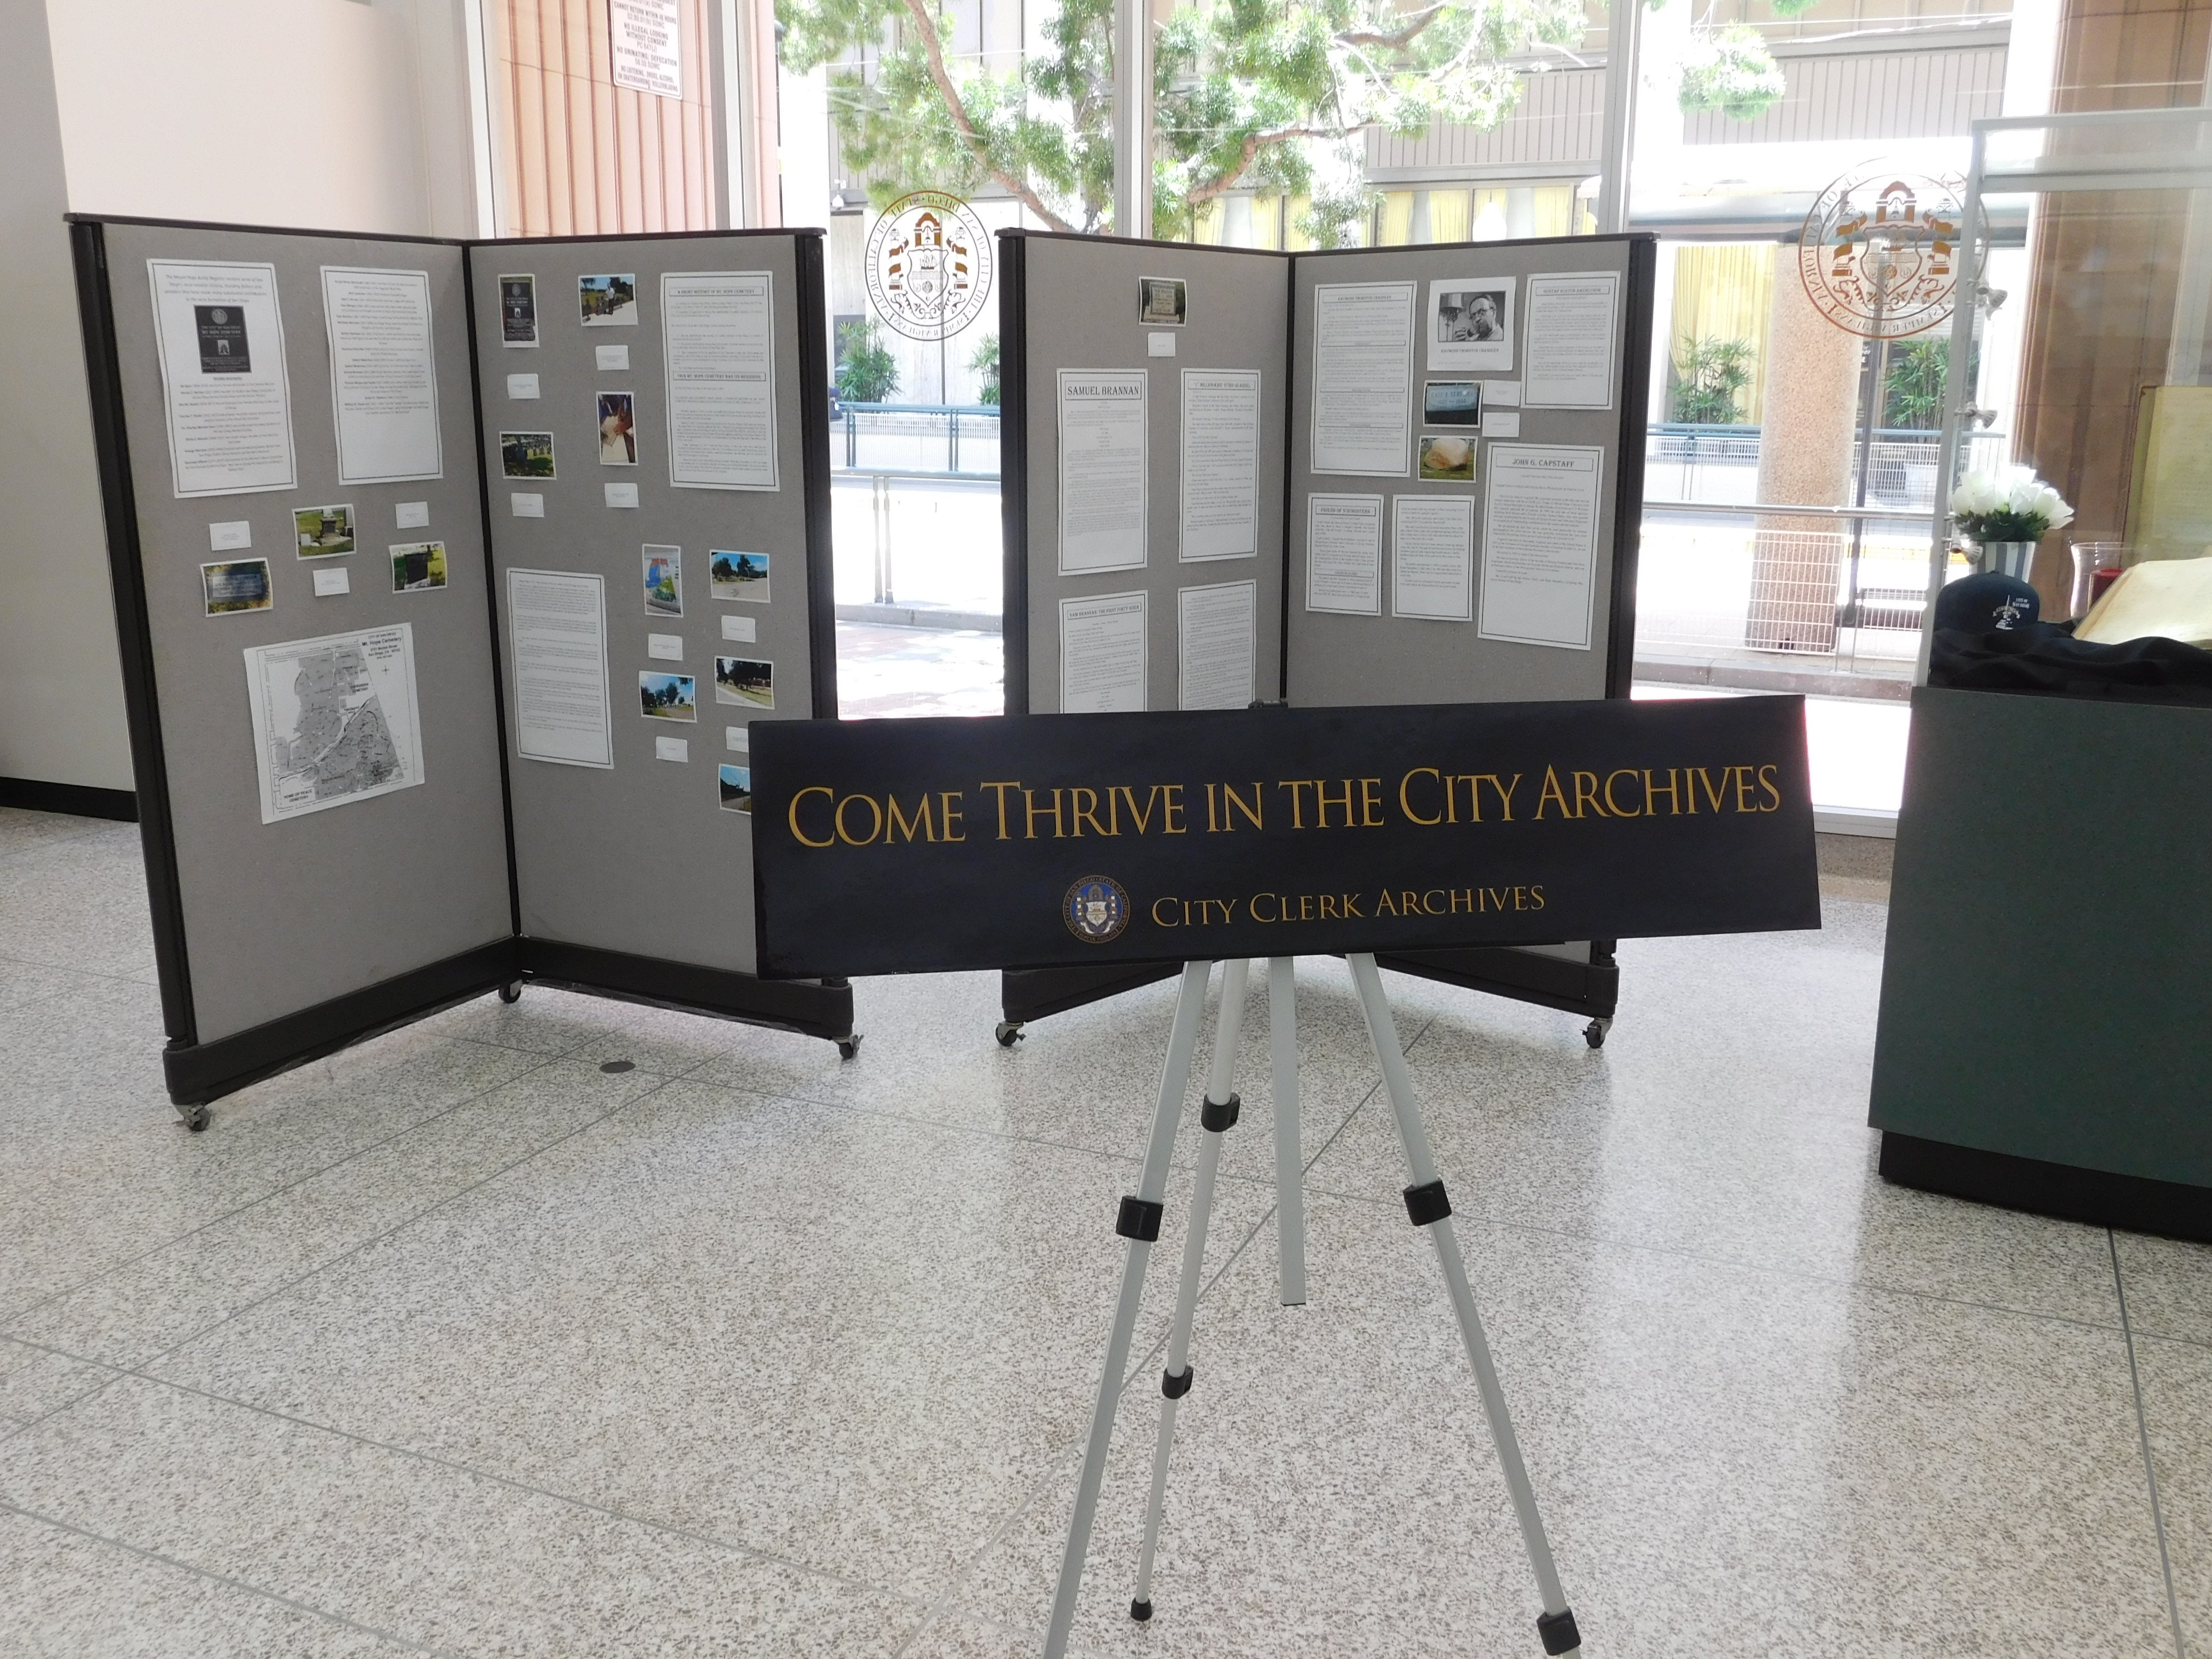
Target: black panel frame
1591, 990
197, 1072
2135, 1204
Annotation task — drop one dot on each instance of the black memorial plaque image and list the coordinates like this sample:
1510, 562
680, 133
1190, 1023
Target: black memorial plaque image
1030, 842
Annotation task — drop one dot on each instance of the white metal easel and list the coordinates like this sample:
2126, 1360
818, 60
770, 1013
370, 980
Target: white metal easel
1140, 1222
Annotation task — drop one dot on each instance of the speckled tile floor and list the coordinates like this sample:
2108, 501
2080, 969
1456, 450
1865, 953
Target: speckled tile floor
456, 1343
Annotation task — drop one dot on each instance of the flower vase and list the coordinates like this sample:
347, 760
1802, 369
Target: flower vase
2009, 558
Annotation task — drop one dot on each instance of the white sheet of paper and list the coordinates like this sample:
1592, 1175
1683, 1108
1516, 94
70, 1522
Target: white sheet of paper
410, 515
739, 738
1471, 323
230, 427
330, 583
1539, 544
671, 749
1362, 378
718, 335
335, 719
665, 647
1505, 394
1101, 655
522, 385
1344, 554
1501, 423
230, 535
1569, 362
526, 503
1160, 345
607, 358
1102, 434
1217, 645
384, 377
621, 495
645, 39
557, 623
741, 628
1432, 557
1220, 463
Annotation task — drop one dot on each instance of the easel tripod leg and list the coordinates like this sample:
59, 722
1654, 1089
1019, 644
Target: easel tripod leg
1140, 1222
1290, 1162
1218, 1112
1430, 1210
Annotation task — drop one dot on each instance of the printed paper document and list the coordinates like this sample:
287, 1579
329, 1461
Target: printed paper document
558, 623
229, 405
1101, 655
1220, 463
1217, 634
334, 720
719, 332
1344, 554
384, 380
1362, 378
1102, 469
1539, 544
1433, 556
1570, 361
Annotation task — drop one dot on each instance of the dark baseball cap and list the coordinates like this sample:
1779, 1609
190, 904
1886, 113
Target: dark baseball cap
1988, 602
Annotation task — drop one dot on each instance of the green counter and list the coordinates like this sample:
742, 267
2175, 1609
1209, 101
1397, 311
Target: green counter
2045, 1035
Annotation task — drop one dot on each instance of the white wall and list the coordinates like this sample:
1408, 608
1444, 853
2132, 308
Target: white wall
323, 113
61, 690
328, 114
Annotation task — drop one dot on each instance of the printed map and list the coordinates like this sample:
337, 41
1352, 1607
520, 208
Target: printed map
334, 720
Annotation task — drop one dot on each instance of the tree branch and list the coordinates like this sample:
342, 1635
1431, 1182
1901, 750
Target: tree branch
1253, 144
933, 50
1397, 40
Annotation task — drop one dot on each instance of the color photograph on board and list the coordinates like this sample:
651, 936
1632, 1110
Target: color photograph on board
1451, 403
525, 454
618, 429
735, 784
418, 567
667, 696
739, 576
663, 581
234, 585
1448, 460
324, 531
743, 680
607, 301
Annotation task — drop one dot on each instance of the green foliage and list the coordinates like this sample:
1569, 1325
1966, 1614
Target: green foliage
1730, 70
1791, 8
1272, 94
1708, 380
985, 363
866, 371
1912, 393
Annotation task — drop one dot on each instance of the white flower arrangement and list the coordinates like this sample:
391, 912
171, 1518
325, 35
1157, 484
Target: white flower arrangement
2012, 505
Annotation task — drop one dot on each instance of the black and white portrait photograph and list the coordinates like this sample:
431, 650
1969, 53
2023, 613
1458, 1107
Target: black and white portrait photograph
1471, 323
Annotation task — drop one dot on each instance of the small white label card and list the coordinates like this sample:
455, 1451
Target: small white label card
522, 385
739, 738
1159, 345
527, 504
668, 648
328, 582
1501, 392
611, 357
1501, 423
229, 538
621, 495
410, 515
741, 628
671, 749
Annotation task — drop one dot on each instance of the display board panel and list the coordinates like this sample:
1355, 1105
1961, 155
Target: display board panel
647, 855
1201, 328
363, 875
1489, 444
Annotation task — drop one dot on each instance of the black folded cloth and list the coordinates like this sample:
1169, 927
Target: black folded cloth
2038, 656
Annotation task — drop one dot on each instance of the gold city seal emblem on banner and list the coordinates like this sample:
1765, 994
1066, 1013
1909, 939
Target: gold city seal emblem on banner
1879, 253
929, 266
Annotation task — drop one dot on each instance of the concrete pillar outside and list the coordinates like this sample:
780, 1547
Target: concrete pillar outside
1809, 417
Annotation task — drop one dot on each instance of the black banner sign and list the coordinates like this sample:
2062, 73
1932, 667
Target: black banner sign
1048, 841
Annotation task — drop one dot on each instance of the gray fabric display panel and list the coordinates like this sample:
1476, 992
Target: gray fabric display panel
276, 917
640, 857
1073, 304
1336, 658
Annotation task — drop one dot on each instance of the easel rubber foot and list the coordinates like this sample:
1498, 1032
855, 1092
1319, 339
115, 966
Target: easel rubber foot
1140, 1611
1558, 1631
